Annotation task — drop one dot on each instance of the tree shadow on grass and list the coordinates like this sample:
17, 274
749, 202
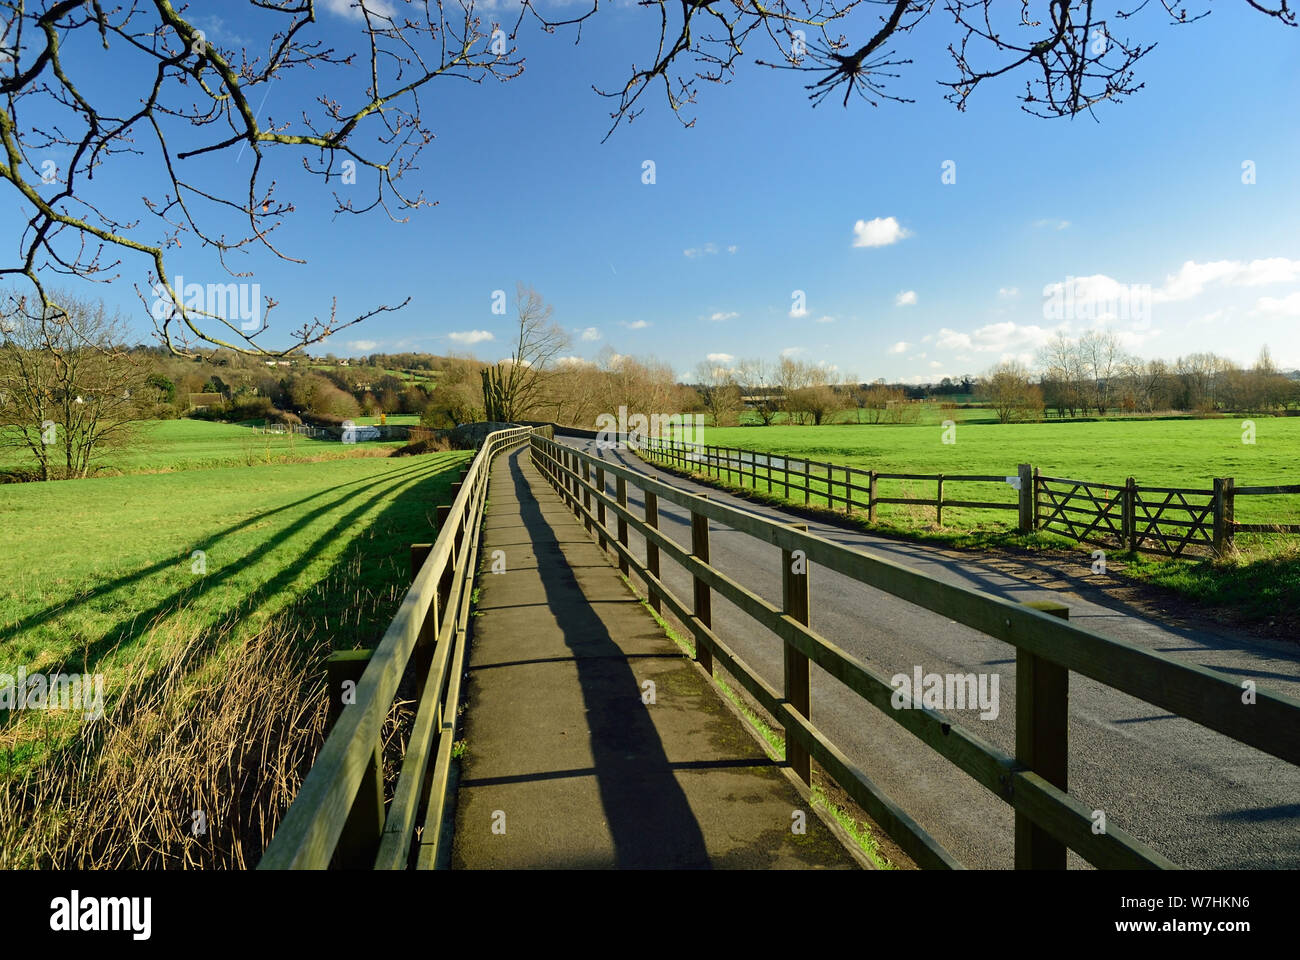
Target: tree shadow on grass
109, 586
411, 488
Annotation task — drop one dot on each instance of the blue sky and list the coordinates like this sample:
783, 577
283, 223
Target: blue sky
760, 199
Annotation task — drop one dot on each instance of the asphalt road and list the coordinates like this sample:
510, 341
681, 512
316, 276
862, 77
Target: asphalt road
1196, 796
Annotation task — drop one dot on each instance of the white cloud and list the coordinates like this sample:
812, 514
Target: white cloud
952, 340
720, 358
905, 299
573, 362
1005, 337
637, 324
720, 316
793, 351
362, 346
1285, 307
707, 250
825, 319
880, 232
590, 333
470, 337
1052, 223
352, 8
935, 365
898, 347
1008, 293
797, 312
1192, 278
1024, 359
732, 249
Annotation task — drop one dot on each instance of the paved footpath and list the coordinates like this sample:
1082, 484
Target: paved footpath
566, 766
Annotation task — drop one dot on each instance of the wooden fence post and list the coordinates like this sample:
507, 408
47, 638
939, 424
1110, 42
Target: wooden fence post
1230, 513
871, 497
600, 506
1026, 524
429, 628
1128, 514
652, 549
1223, 515
938, 503
798, 692
586, 495
1042, 742
620, 491
359, 841
703, 606
1037, 513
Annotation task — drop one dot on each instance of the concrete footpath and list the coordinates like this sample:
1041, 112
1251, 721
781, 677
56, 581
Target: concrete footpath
565, 765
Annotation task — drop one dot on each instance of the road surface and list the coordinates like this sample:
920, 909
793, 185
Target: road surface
1196, 796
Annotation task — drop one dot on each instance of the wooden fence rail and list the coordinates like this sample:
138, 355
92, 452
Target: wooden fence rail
841, 486
335, 819
1172, 521
1049, 648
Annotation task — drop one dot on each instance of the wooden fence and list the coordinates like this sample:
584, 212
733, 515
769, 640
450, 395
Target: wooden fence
841, 486
1173, 521
1049, 819
338, 817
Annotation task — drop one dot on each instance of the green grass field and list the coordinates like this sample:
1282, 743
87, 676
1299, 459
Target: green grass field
1187, 453
1261, 581
94, 571
169, 445
406, 419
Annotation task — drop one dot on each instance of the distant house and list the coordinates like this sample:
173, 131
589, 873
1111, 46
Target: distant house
201, 401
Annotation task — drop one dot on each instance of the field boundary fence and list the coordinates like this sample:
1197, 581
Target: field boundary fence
1171, 521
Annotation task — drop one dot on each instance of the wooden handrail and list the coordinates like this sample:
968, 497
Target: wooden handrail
309, 833
1266, 720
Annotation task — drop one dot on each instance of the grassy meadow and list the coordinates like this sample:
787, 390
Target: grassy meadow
1261, 581
207, 600
157, 446
1184, 453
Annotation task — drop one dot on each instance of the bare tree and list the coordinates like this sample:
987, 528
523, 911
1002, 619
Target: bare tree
67, 384
1102, 357
1008, 390
199, 98
516, 386
795, 376
760, 380
1072, 50
719, 391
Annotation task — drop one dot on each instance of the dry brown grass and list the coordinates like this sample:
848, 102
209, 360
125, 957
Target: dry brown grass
229, 735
